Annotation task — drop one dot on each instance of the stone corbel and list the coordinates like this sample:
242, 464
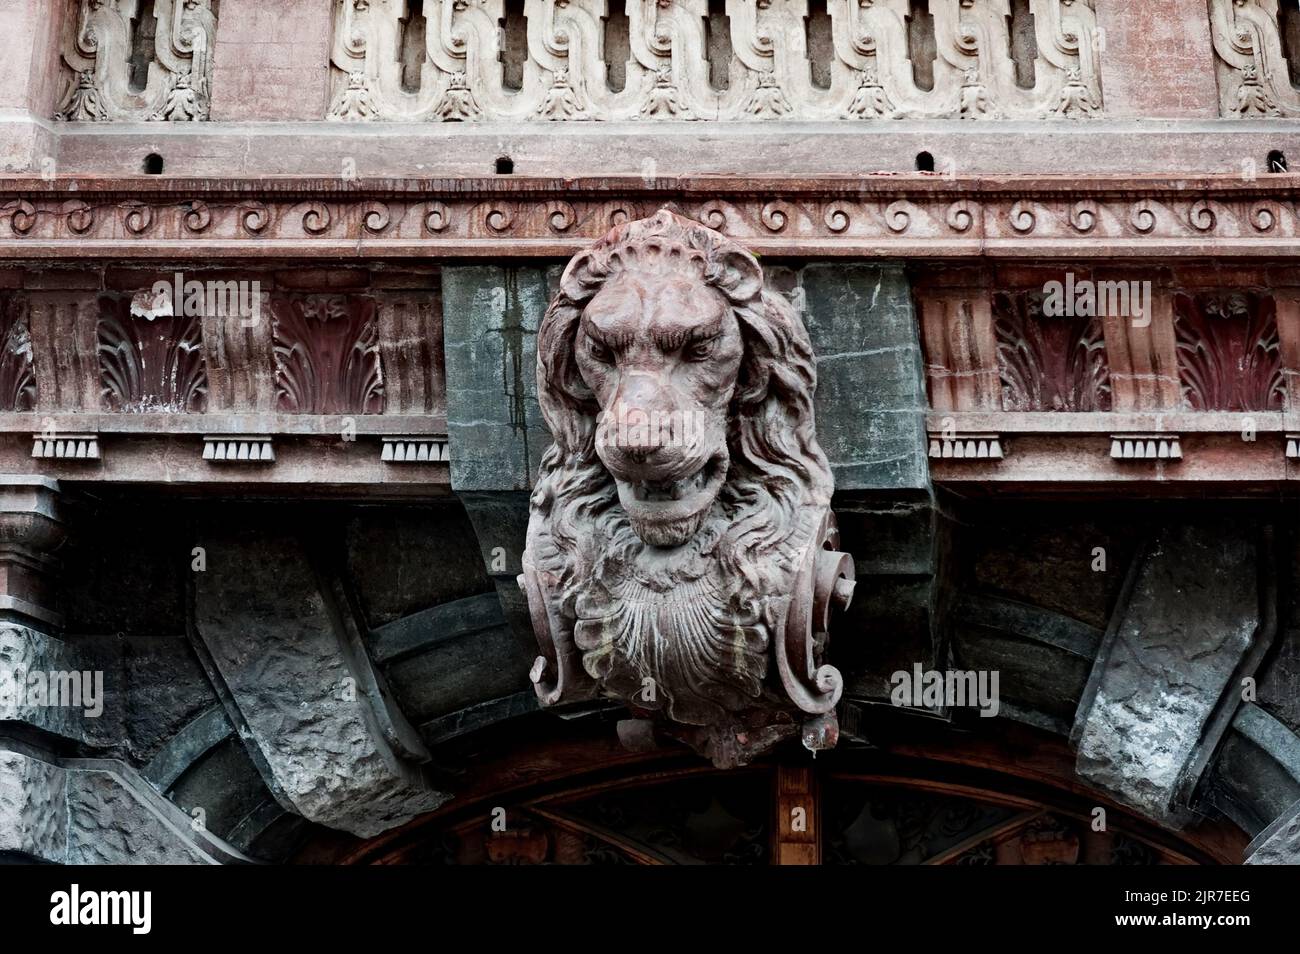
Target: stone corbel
581, 31
759, 38
878, 46
365, 44
1166, 684
651, 49
462, 48
334, 748
687, 568
967, 60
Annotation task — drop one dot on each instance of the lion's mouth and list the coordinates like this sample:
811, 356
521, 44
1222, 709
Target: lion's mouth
661, 503
662, 491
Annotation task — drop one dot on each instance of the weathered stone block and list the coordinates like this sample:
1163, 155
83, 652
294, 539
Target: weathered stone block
1279, 843
109, 825
33, 816
490, 320
1166, 663
27, 655
871, 398
329, 748
270, 61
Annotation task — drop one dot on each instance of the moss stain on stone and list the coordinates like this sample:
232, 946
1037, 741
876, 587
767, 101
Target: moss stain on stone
512, 333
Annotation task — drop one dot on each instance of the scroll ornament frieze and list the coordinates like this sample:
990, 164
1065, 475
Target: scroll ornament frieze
106, 80
780, 217
682, 556
450, 60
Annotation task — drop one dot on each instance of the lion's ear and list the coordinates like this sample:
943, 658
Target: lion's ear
583, 276
736, 273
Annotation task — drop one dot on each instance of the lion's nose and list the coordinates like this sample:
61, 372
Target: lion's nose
640, 434
644, 411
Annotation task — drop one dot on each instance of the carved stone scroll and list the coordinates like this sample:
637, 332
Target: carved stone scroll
1254, 75
133, 60
682, 554
544, 60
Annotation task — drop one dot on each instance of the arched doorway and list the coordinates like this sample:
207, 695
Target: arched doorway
933, 797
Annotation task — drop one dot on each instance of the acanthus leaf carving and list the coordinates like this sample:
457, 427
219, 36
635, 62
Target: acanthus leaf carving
1229, 354
871, 101
327, 356
1076, 98
1049, 363
682, 556
355, 101
150, 359
17, 368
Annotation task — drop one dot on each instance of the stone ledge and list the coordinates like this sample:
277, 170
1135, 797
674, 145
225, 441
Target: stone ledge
817, 148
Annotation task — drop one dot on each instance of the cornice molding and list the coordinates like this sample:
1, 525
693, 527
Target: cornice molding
901, 216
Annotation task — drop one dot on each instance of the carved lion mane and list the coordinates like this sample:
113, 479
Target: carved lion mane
696, 618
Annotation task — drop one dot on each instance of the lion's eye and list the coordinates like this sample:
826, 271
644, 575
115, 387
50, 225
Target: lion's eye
698, 351
599, 352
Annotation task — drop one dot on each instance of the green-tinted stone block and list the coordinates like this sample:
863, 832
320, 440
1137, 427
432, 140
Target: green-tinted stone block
871, 387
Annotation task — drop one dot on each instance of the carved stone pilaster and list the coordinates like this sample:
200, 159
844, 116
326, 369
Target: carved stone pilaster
961, 348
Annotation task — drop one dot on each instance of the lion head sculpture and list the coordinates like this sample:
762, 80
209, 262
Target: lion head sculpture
680, 532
